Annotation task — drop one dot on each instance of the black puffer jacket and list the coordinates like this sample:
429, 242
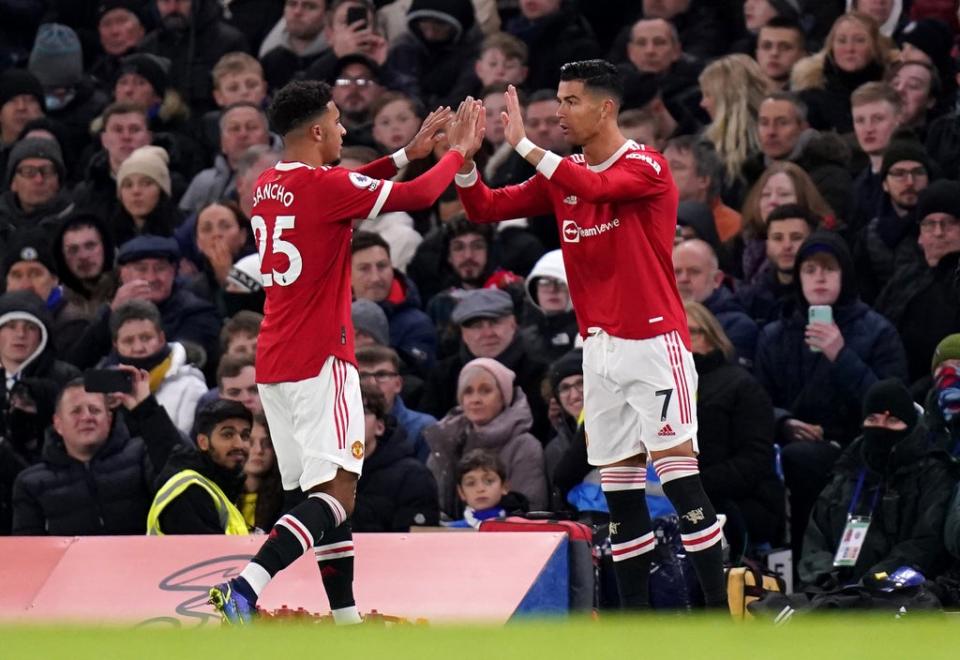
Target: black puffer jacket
554, 40
111, 494
736, 445
396, 491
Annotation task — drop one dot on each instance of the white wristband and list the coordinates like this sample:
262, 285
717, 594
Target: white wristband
524, 147
400, 159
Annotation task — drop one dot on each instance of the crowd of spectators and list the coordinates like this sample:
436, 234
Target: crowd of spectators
815, 145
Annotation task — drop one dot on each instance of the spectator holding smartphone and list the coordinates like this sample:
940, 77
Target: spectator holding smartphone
818, 373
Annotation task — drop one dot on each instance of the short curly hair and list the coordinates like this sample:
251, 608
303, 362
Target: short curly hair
298, 103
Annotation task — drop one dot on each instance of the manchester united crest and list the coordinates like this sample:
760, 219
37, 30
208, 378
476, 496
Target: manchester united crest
357, 450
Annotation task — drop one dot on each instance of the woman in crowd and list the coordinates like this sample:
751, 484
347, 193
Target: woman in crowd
854, 54
781, 183
493, 414
262, 496
223, 238
143, 186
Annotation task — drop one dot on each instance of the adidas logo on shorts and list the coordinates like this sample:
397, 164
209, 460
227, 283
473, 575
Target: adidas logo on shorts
665, 431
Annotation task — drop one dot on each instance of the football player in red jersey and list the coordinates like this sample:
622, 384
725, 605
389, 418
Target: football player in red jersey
616, 210
306, 369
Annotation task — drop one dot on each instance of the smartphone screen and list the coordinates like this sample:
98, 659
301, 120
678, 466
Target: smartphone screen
355, 14
107, 381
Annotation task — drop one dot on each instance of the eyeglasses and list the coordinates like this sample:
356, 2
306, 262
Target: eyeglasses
565, 389
359, 82
30, 171
901, 174
929, 226
379, 376
550, 283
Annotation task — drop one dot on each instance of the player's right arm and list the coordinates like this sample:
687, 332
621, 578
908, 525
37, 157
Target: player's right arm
483, 204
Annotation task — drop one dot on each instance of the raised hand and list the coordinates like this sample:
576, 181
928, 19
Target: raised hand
140, 390
467, 128
431, 131
512, 118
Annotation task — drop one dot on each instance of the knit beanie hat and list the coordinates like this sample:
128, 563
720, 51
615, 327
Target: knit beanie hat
150, 161
35, 147
947, 349
246, 275
939, 197
504, 377
18, 82
57, 58
934, 38
570, 364
370, 318
135, 7
901, 150
151, 68
28, 245
890, 396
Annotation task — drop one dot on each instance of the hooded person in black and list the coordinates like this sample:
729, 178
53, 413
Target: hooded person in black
893, 474
427, 61
818, 374
83, 251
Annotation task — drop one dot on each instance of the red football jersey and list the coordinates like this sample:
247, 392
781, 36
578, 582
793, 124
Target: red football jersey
617, 223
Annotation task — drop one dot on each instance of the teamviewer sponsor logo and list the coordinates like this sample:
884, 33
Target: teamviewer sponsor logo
571, 231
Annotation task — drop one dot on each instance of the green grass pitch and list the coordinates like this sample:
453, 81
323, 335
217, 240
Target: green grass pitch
655, 638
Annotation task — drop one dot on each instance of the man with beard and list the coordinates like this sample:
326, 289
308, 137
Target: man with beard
467, 261
356, 83
193, 37
83, 251
198, 488
890, 238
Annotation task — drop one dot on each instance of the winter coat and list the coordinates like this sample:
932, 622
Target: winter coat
193, 511
553, 40
413, 423
76, 117
737, 324
886, 244
97, 193
508, 434
280, 63
209, 185
923, 305
194, 52
943, 144
429, 71
735, 418
411, 330
440, 391
907, 525
805, 385
866, 200
13, 218
110, 494
395, 491
826, 158
767, 298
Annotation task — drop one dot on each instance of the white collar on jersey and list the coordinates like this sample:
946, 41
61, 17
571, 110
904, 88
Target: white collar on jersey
288, 166
629, 144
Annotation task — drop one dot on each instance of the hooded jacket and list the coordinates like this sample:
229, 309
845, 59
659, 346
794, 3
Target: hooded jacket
42, 363
396, 491
48, 216
550, 334
553, 40
805, 384
426, 70
507, 434
110, 494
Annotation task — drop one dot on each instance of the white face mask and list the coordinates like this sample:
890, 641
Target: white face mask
55, 102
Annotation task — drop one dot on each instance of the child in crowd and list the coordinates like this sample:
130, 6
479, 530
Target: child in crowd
482, 487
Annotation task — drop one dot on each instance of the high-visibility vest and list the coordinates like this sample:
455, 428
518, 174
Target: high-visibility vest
230, 517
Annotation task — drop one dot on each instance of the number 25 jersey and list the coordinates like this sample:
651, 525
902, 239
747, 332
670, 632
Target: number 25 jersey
303, 223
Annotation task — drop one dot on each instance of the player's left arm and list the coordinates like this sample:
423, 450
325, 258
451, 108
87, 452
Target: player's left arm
431, 131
